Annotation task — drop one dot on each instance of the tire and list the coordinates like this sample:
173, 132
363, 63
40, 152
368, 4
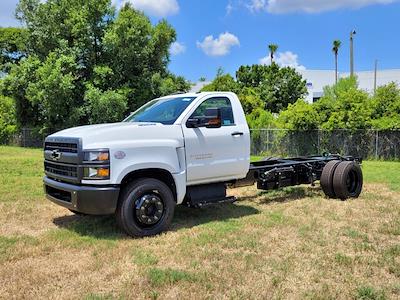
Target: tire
146, 207
326, 180
347, 180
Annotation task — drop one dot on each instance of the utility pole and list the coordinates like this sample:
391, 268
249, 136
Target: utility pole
352, 33
376, 71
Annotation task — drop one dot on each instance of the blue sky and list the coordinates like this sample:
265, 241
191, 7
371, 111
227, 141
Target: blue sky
229, 33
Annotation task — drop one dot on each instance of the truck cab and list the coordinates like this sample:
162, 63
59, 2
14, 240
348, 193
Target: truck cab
182, 148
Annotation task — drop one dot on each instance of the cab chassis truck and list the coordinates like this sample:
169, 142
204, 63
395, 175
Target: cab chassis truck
182, 149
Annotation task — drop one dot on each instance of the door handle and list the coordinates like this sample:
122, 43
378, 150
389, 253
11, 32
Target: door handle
236, 133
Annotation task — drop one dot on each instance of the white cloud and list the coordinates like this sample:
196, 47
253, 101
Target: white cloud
158, 8
284, 59
177, 48
309, 6
219, 46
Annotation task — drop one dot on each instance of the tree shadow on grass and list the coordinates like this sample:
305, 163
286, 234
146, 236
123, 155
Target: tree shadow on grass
105, 227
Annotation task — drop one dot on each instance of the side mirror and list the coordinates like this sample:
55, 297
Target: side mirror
212, 119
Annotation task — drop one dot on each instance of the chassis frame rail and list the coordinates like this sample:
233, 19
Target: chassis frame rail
274, 173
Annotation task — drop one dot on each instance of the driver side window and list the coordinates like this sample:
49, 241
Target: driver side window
223, 103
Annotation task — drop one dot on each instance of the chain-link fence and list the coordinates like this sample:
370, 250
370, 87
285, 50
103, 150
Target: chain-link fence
373, 144
27, 137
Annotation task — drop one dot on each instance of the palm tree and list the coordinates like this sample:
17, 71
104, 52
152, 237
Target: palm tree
335, 49
272, 49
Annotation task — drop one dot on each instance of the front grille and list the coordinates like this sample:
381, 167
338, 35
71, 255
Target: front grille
62, 147
61, 170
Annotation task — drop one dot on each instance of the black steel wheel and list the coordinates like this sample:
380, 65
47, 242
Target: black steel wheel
347, 180
146, 207
326, 180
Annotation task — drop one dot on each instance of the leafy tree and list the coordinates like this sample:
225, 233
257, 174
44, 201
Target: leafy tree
77, 50
7, 119
281, 87
222, 82
16, 84
12, 47
104, 107
260, 118
276, 86
169, 85
344, 106
299, 116
55, 91
385, 107
250, 100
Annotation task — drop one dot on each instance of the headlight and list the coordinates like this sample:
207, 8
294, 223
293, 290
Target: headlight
96, 164
93, 156
96, 173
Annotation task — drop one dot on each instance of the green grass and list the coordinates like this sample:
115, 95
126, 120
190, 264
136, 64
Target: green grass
289, 243
382, 172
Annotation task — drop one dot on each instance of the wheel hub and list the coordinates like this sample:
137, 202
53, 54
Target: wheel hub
149, 209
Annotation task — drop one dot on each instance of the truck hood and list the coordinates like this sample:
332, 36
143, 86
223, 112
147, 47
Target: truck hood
107, 135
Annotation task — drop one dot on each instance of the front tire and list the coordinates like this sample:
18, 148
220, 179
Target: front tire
146, 207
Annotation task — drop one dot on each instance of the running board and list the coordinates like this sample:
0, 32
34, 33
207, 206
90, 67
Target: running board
211, 202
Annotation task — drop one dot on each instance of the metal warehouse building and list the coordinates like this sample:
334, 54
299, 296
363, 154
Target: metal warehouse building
318, 79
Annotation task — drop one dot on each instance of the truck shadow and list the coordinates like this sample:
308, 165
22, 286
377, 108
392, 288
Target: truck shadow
105, 227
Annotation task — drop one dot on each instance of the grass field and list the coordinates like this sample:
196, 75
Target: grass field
293, 243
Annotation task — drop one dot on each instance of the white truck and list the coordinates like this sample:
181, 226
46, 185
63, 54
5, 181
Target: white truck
180, 149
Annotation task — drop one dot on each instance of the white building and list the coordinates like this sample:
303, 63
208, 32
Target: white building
318, 79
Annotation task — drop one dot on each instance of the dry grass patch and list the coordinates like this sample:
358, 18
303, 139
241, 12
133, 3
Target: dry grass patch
292, 243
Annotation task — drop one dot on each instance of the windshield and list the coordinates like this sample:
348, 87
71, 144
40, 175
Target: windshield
164, 111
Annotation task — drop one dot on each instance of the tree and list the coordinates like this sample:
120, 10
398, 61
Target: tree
276, 86
222, 82
8, 121
105, 107
385, 105
344, 106
299, 116
272, 49
77, 50
281, 87
335, 49
13, 47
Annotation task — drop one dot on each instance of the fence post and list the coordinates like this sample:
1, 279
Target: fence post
376, 143
268, 140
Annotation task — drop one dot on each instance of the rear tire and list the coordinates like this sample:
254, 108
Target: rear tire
347, 180
327, 178
146, 207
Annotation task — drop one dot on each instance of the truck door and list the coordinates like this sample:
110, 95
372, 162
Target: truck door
216, 154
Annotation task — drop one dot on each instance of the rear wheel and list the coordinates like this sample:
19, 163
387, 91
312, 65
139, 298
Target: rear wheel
347, 180
327, 178
146, 207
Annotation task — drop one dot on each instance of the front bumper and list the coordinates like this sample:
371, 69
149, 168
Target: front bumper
92, 200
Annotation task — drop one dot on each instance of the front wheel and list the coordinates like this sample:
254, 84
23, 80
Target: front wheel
146, 207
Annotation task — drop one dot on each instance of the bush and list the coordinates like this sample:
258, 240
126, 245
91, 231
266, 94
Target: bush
8, 121
105, 107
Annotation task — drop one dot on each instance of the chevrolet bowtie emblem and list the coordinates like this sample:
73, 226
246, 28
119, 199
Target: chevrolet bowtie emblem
55, 154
